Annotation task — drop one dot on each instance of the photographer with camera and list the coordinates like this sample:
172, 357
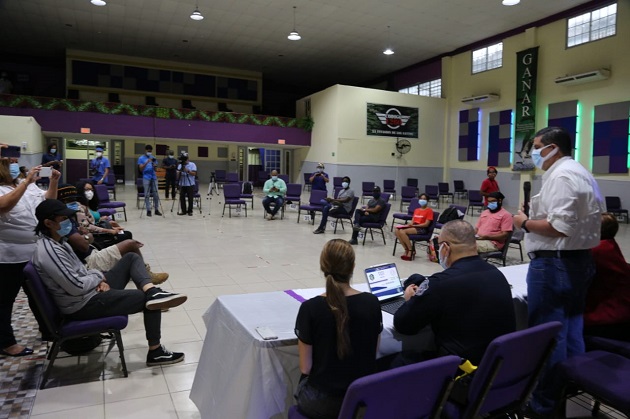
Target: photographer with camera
146, 164
319, 179
186, 173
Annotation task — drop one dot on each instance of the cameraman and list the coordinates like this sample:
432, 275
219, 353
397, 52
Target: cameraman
170, 164
319, 178
186, 172
146, 164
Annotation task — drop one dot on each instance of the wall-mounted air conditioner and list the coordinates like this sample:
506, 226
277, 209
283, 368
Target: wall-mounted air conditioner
489, 97
589, 76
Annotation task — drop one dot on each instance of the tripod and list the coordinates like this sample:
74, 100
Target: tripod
212, 186
150, 195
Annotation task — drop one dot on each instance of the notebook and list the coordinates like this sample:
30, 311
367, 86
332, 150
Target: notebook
384, 282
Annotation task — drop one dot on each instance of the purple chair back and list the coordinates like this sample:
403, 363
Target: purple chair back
219, 175
47, 307
412, 182
509, 370
367, 188
232, 191
407, 193
102, 193
432, 191
474, 197
294, 191
389, 185
284, 177
443, 188
316, 198
414, 204
337, 181
231, 177
412, 391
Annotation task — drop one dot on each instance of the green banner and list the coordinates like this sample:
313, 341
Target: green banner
392, 121
525, 123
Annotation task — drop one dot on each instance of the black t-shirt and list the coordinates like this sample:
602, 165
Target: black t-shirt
170, 161
315, 325
467, 306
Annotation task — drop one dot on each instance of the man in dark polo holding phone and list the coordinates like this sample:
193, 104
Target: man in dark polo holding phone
563, 225
319, 179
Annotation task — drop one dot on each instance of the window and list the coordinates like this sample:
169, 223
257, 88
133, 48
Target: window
431, 88
592, 26
487, 58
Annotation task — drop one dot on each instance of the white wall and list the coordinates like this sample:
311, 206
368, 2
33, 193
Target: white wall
16, 130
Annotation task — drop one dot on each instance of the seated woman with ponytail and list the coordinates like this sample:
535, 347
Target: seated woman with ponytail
338, 335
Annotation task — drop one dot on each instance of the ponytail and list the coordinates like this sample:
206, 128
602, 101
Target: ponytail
337, 302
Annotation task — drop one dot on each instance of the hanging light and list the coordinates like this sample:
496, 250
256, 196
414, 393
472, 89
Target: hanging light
388, 50
510, 2
294, 35
196, 14
98, 2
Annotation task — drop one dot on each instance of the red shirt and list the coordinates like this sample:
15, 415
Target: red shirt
489, 186
608, 298
421, 215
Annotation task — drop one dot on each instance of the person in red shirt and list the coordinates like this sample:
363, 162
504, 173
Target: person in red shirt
489, 185
494, 225
607, 311
422, 219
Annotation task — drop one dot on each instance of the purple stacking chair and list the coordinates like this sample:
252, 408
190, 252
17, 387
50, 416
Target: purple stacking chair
385, 196
337, 181
433, 192
62, 330
594, 343
340, 217
406, 217
475, 200
220, 177
110, 181
249, 196
507, 374
613, 206
294, 194
231, 177
336, 191
459, 188
104, 202
382, 220
389, 186
413, 391
419, 237
232, 198
460, 208
284, 177
139, 191
197, 195
407, 194
413, 183
307, 181
444, 192
314, 204
367, 188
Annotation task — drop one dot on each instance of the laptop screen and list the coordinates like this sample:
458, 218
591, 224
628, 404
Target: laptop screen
384, 281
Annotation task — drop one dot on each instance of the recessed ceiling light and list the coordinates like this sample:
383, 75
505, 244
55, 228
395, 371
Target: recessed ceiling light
98, 2
388, 51
510, 2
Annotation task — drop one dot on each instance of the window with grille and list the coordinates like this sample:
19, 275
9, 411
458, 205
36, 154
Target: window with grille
487, 58
431, 88
591, 26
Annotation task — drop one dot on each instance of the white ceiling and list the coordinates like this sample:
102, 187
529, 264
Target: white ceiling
342, 40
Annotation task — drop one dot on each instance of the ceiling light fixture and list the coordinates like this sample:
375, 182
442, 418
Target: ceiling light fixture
294, 35
388, 50
510, 2
196, 14
98, 2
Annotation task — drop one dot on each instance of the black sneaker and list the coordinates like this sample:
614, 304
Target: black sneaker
158, 299
181, 213
319, 231
158, 213
161, 356
148, 213
353, 241
190, 214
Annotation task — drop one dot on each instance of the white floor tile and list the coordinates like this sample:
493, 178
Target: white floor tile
68, 397
92, 412
156, 407
140, 384
185, 408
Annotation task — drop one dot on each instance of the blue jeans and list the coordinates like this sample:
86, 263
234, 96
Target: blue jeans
150, 188
556, 291
278, 201
326, 210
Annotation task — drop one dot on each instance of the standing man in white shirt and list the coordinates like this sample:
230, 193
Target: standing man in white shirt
563, 227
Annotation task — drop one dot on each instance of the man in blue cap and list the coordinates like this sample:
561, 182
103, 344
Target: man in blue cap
99, 167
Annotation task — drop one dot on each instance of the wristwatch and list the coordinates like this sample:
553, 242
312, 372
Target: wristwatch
524, 227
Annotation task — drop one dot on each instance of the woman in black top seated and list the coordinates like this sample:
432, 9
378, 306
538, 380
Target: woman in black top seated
338, 335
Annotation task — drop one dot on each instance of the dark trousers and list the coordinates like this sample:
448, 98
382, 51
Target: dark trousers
12, 280
268, 200
360, 217
171, 183
328, 209
315, 403
120, 301
186, 192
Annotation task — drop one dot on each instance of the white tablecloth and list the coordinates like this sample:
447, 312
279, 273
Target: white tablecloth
240, 375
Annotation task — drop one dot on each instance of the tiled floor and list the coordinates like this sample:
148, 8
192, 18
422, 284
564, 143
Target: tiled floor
206, 255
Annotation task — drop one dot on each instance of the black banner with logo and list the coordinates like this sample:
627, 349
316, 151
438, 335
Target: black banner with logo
392, 121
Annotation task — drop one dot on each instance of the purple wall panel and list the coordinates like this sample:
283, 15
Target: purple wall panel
139, 126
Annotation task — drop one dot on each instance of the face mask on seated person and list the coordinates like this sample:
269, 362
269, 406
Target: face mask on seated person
14, 170
89, 195
274, 177
345, 185
423, 202
64, 227
493, 206
53, 150
376, 195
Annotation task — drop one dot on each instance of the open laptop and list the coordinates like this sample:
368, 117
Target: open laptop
384, 282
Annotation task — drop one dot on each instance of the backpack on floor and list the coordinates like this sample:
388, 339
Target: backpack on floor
248, 189
82, 345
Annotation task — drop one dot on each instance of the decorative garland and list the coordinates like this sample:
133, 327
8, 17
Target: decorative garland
71, 105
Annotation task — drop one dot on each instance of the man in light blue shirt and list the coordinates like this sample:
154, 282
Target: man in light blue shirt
186, 173
99, 166
275, 189
146, 164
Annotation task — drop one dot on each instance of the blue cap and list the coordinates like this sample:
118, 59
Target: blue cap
99, 148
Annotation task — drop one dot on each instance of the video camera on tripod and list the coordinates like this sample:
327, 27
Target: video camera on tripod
183, 159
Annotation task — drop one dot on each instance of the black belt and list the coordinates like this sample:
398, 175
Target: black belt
560, 254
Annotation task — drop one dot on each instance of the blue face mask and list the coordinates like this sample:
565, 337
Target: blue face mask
64, 228
74, 206
423, 202
442, 258
345, 185
53, 150
274, 177
493, 206
538, 159
14, 170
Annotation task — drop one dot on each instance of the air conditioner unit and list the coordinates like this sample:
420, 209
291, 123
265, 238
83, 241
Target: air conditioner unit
589, 76
490, 97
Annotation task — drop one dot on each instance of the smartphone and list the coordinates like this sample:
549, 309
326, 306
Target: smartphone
11, 151
45, 172
266, 333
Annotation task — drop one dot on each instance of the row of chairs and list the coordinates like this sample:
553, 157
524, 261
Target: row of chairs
500, 387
